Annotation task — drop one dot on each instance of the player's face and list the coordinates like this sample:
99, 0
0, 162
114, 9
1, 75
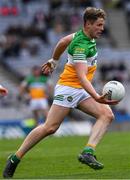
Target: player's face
96, 28
36, 72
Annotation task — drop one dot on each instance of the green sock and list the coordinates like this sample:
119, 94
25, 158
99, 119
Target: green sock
89, 150
14, 158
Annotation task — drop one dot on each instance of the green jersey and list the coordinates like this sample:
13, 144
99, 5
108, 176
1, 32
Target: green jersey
81, 49
36, 86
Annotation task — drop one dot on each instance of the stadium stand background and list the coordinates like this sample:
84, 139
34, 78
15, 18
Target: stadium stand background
29, 30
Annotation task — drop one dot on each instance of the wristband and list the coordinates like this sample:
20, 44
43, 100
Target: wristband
53, 62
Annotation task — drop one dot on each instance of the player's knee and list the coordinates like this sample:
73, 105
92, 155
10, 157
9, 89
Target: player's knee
109, 116
50, 129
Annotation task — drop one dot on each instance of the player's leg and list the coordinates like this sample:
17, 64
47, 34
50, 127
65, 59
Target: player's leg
36, 116
54, 119
44, 107
45, 112
34, 107
39, 106
104, 116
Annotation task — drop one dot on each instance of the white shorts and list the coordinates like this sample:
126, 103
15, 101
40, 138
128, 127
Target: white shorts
36, 104
69, 97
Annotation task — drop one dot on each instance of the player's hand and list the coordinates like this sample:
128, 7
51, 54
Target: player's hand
3, 91
49, 66
46, 68
103, 100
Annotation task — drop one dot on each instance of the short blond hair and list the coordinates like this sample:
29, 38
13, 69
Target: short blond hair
92, 14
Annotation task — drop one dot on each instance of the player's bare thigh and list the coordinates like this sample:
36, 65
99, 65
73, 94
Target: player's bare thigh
95, 109
56, 115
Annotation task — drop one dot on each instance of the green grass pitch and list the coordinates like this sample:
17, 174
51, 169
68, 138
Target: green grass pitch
56, 158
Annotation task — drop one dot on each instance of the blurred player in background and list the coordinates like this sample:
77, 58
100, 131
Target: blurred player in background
36, 86
74, 90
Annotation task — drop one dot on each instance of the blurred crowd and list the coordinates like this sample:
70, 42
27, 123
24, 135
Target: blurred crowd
47, 23
117, 72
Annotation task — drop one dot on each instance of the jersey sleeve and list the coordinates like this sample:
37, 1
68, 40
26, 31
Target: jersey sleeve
79, 54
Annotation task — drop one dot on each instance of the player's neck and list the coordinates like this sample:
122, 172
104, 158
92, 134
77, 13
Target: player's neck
87, 34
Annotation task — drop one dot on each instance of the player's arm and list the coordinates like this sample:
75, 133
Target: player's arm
22, 89
60, 47
81, 70
3, 91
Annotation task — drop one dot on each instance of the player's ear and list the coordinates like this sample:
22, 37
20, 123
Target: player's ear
87, 24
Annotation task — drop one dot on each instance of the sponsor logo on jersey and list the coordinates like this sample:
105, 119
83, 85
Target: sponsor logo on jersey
79, 50
59, 97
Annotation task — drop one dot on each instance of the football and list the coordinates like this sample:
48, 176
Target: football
114, 90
